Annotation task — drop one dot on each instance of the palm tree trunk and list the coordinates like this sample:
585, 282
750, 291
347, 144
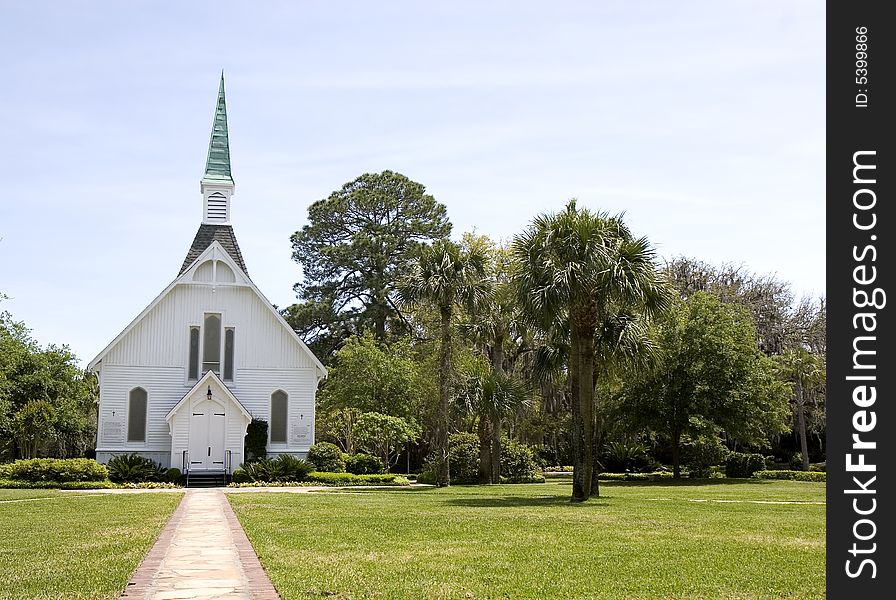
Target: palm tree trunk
576, 434
485, 450
586, 393
496, 450
442, 417
801, 423
496, 421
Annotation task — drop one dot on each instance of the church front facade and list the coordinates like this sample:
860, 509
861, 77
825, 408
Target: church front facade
182, 382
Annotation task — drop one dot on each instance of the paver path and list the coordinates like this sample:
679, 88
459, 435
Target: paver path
202, 553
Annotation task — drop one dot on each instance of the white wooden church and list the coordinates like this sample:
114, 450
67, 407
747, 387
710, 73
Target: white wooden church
182, 382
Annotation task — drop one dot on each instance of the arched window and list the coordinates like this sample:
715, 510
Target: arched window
211, 344
137, 415
279, 412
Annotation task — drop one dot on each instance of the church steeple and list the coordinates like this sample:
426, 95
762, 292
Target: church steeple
217, 184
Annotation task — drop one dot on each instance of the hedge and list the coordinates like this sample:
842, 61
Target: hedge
635, 476
17, 484
793, 475
742, 464
332, 479
56, 470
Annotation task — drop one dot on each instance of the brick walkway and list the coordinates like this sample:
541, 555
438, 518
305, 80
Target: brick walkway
202, 554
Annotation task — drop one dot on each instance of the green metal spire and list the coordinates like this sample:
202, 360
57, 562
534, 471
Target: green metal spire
217, 167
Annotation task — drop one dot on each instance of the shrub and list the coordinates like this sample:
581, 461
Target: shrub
363, 464
518, 464
256, 440
793, 475
326, 458
133, 468
57, 470
282, 468
239, 475
54, 485
147, 485
463, 458
623, 456
427, 477
635, 476
742, 464
818, 467
353, 479
699, 454
173, 475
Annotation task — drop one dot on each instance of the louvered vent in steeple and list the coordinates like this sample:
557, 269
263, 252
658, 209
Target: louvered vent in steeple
217, 207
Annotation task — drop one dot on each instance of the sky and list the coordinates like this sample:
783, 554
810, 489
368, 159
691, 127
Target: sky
702, 121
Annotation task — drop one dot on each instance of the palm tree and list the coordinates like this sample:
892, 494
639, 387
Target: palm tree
492, 396
585, 268
806, 372
445, 276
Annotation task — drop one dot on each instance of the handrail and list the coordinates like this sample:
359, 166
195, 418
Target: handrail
228, 462
186, 465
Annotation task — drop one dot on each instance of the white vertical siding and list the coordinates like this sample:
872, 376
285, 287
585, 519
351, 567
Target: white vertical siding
164, 388
161, 337
154, 355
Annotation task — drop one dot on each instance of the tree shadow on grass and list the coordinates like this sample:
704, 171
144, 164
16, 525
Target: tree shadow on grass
685, 482
520, 501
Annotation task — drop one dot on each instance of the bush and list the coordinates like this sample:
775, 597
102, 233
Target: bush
239, 475
623, 457
56, 485
793, 475
133, 468
256, 440
796, 461
427, 477
463, 458
331, 479
282, 468
173, 475
742, 464
353, 479
363, 464
518, 464
701, 453
326, 458
635, 476
818, 467
56, 470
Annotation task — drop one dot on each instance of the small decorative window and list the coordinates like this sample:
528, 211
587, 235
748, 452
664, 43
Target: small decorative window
137, 415
279, 411
228, 354
193, 365
211, 344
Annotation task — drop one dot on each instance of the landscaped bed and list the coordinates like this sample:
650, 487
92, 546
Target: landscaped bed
75, 545
698, 539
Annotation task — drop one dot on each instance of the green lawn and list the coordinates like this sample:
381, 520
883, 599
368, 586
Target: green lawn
638, 540
75, 546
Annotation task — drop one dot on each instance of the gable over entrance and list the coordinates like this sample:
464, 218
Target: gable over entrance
208, 427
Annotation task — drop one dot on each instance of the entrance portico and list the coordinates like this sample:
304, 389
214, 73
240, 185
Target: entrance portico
208, 428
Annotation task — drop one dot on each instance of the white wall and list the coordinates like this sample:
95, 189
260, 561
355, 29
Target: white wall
266, 358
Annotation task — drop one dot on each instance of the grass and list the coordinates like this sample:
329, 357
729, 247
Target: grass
75, 545
638, 540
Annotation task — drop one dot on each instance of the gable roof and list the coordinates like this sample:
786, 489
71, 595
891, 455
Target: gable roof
224, 235
214, 249
204, 381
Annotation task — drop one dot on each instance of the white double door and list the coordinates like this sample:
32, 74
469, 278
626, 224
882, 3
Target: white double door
207, 420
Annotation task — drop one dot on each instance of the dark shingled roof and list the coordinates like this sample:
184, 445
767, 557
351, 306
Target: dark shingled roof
223, 234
